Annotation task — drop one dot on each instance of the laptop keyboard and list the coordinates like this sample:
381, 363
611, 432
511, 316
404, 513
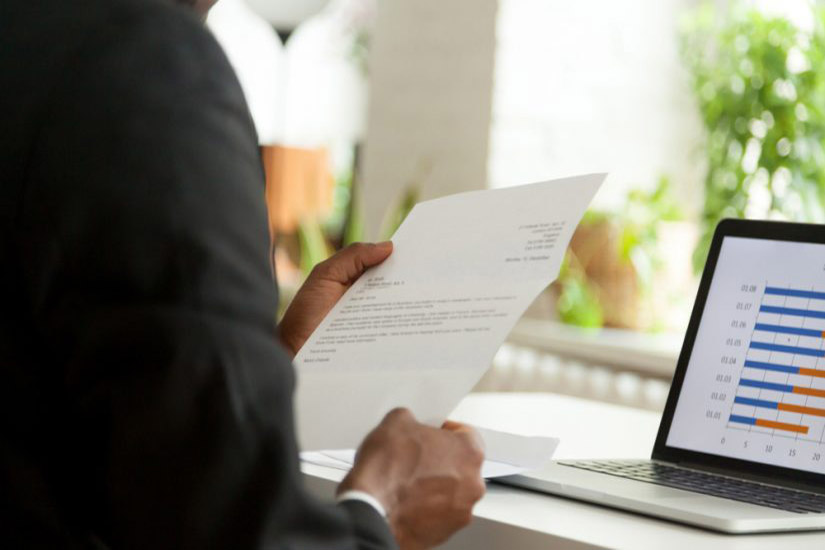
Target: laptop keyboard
790, 500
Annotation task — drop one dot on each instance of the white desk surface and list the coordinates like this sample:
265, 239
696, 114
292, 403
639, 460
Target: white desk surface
513, 519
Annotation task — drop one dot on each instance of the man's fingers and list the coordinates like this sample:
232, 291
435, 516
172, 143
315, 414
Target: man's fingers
402, 414
348, 264
464, 430
453, 426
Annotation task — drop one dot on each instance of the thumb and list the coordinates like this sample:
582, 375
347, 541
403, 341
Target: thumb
348, 264
466, 431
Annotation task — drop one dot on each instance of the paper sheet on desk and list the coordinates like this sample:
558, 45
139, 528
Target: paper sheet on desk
505, 454
419, 330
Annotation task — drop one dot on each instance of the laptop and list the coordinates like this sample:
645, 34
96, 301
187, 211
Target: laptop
741, 445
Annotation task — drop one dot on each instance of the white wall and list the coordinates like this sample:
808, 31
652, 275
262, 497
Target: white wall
471, 93
431, 77
594, 85
576, 87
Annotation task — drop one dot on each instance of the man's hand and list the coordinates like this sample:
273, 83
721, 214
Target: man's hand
427, 479
324, 287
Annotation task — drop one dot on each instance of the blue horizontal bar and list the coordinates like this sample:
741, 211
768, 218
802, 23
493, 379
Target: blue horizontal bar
765, 385
796, 293
772, 366
793, 311
789, 330
788, 349
742, 419
756, 402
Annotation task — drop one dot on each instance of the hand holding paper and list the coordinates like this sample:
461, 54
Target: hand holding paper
427, 479
324, 287
420, 329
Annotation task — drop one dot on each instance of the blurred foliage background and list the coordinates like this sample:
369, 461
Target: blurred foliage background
758, 81
616, 272
760, 88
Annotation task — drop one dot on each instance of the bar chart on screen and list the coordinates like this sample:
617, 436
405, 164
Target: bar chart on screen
781, 387
754, 388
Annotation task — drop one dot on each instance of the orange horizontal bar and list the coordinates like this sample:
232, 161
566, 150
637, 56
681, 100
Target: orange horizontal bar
813, 411
781, 426
812, 372
809, 391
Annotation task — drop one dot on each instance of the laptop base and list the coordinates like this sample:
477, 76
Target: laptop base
709, 512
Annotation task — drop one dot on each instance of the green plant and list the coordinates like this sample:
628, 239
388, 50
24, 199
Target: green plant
760, 89
319, 239
409, 198
313, 245
637, 228
578, 301
345, 224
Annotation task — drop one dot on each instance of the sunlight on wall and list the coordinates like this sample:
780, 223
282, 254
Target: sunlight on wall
589, 86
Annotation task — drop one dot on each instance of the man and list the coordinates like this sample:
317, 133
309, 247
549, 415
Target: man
145, 400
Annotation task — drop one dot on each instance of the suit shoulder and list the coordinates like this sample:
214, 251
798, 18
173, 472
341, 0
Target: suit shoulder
158, 28
63, 26
154, 49
46, 43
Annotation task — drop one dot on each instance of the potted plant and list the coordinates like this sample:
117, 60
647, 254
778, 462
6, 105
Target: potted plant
627, 269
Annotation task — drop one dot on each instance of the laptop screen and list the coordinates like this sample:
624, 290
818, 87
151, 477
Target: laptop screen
754, 387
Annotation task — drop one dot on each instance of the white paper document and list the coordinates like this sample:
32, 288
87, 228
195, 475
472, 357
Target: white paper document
505, 454
419, 330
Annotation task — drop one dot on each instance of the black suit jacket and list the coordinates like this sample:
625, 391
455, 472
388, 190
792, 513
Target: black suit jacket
144, 400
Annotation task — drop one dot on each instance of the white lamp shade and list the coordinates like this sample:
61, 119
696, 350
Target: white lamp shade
286, 14
256, 54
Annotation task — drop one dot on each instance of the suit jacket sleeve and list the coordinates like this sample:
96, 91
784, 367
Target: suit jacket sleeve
145, 246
